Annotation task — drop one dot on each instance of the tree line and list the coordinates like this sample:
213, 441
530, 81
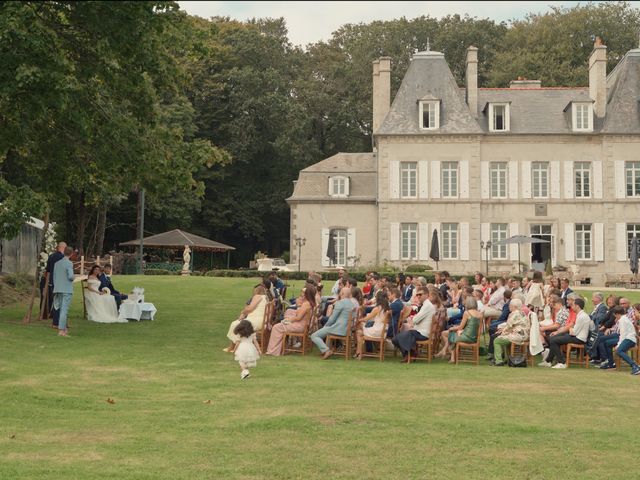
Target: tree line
214, 118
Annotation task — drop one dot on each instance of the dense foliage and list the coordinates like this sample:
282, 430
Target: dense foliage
214, 118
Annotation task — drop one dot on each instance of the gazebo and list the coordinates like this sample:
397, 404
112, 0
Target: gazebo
177, 239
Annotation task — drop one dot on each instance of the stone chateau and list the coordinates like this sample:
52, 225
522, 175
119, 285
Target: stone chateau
482, 164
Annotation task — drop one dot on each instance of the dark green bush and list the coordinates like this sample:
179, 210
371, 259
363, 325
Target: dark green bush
158, 271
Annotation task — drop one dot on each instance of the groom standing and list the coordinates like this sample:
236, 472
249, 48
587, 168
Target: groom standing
63, 289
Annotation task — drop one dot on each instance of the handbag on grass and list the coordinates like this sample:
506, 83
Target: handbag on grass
517, 361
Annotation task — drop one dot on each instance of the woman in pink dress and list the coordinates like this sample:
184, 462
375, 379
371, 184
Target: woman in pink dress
295, 324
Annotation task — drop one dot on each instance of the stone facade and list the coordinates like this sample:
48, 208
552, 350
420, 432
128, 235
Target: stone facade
557, 163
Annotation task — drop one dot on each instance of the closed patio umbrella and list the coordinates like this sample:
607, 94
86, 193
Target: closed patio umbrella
633, 256
520, 240
434, 253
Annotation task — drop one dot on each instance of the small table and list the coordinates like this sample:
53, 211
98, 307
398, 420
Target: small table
137, 311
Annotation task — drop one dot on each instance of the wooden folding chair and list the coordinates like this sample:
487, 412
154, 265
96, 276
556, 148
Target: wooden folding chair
632, 352
521, 349
263, 334
302, 337
346, 340
85, 286
474, 348
425, 348
582, 356
379, 342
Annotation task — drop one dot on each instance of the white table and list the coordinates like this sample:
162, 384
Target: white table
137, 311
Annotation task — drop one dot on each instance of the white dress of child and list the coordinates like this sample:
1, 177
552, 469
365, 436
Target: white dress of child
246, 351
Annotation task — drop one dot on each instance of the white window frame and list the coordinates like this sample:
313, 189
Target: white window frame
498, 172
582, 172
336, 182
632, 229
409, 172
341, 238
449, 178
632, 179
450, 238
498, 232
409, 241
507, 117
584, 241
538, 192
433, 107
579, 111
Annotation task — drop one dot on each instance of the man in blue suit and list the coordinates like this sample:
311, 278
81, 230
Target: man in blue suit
337, 323
105, 281
63, 289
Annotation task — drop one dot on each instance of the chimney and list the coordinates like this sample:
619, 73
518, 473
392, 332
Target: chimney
598, 78
381, 90
472, 80
524, 83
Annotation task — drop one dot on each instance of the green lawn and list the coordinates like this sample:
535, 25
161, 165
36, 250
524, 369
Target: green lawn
296, 417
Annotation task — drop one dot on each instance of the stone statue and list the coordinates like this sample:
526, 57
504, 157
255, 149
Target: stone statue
186, 257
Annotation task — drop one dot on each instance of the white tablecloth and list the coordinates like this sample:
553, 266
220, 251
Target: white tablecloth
137, 311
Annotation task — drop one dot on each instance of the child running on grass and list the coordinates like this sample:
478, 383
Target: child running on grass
247, 351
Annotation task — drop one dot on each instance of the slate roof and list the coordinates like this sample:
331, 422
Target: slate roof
623, 95
428, 75
313, 181
532, 110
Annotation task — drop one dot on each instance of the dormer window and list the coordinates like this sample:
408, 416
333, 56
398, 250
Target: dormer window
338, 186
429, 114
582, 113
499, 117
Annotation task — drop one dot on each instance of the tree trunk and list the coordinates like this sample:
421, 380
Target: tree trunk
92, 239
102, 226
36, 280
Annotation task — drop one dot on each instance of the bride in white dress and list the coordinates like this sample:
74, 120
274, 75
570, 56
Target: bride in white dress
101, 306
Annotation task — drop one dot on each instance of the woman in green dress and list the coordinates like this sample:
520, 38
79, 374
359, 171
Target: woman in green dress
468, 329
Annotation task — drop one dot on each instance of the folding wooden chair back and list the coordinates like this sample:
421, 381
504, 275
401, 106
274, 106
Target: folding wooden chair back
302, 337
471, 350
582, 356
522, 349
85, 286
378, 342
424, 348
345, 340
267, 320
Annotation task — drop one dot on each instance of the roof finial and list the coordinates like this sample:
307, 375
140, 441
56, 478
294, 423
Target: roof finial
428, 45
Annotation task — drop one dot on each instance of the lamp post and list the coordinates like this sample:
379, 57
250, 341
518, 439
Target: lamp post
486, 247
299, 242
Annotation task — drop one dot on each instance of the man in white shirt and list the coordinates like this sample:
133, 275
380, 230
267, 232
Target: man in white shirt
335, 290
405, 341
493, 308
578, 333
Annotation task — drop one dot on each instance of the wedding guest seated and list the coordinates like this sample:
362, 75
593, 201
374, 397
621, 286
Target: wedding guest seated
516, 330
477, 280
254, 312
372, 325
338, 321
466, 332
607, 331
496, 322
493, 308
293, 324
408, 288
101, 307
397, 306
421, 324
277, 285
628, 340
105, 282
477, 294
558, 320
578, 333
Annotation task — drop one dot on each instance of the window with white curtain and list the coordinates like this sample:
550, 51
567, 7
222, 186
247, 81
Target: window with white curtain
408, 179
540, 179
583, 241
449, 174
582, 117
582, 175
498, 233
498, 179
409, 241
632, 173
449, 241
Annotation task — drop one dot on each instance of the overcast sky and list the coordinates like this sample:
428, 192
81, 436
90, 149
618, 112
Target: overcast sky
309, 22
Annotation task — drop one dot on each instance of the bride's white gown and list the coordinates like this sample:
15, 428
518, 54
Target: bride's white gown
101, 308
